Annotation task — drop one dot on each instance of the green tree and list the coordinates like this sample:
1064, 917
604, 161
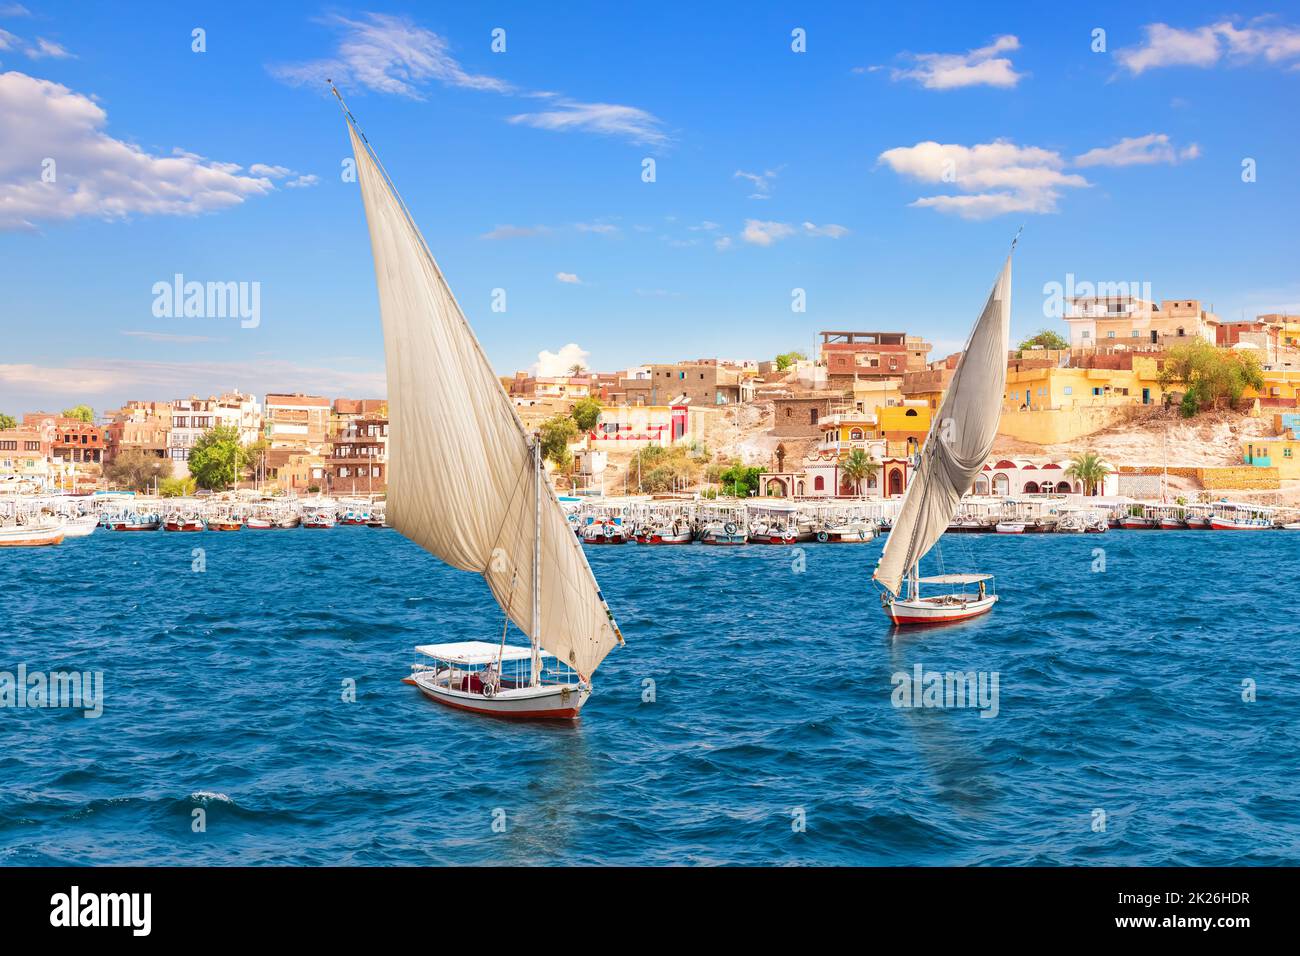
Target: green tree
136, 470
176, 487
1045, 338
586, 412
83, 413
576, 369
7, 422
218, 459
739, 480
787, 359
1210, 376
556, 433
1089, 468
858, 467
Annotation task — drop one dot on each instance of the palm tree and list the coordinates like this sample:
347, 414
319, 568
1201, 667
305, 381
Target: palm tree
859, 466
577, 368
1089, 468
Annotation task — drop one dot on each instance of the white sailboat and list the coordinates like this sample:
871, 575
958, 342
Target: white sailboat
960, 440
467, 484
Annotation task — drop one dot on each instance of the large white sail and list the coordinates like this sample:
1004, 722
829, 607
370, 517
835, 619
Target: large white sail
961, 437
461, 475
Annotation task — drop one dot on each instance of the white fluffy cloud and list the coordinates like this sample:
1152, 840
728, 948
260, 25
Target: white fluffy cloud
997, 178
763, 233
609, 119
569, 278
983, 66
550, 364
387, 54
1165, 46
38, 49
93, 173
1138, 151
831, 230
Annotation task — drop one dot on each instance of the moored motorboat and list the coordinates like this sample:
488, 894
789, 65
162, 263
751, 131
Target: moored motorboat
853, 532
227, 523
723, 534
258, 524
1009, 527
603, 532
1171, 523
134, 522
30, 531
675, 533
186, 523
1233, 516
82, 526
318, 519
1137, 523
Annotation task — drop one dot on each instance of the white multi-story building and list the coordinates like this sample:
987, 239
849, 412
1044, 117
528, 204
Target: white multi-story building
1126, 320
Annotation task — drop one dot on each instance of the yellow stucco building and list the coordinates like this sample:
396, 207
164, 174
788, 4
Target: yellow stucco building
1057, 388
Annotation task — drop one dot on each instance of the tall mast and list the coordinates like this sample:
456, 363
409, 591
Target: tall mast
537, 557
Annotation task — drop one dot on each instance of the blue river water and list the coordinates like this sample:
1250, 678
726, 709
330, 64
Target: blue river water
1146, 709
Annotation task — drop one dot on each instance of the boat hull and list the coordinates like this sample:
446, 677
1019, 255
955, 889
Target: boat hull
183, 526
1227, 524
656, 538
1138, 524
540, 703
80, 527
26, 537
931, 611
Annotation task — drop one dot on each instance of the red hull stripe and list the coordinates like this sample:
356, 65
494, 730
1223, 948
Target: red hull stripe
940, 620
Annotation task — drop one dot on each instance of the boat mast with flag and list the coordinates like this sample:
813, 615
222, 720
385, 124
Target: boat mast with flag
960, 440
467, 483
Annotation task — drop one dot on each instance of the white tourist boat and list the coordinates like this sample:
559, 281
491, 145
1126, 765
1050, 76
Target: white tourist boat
675, 532
25, 530
1235, 516
1009, 527
847, 532
493, 679
723, 534
467, 483
949, 462
81, 526
604, 532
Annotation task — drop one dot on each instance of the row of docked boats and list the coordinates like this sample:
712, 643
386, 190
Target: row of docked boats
726, 533
1217, 516
49, 520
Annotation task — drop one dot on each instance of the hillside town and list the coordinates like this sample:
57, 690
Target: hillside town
845, 423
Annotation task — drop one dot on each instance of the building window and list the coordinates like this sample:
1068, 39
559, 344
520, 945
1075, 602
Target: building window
1069, 390
1110, 335
855, 435
1086, 334
819, 483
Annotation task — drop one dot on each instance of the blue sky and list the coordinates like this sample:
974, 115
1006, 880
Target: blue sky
775, 170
